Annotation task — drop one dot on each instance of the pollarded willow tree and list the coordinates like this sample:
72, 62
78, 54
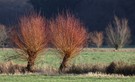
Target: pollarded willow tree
3, 35
96, 38
68, 36
118, 33
31, 37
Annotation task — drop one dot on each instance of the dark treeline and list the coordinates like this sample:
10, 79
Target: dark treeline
95, 14
11, 10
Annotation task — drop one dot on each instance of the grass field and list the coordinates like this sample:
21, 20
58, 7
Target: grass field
42, 78
93, 56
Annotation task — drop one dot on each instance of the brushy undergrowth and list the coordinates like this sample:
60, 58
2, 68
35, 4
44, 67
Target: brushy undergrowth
120, 68
86, 68
12, 68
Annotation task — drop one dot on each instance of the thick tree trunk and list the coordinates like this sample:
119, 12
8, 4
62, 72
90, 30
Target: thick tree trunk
63, 64
116, 46
30, 64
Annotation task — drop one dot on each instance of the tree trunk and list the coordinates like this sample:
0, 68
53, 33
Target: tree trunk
116, 46
63, 64
30, 64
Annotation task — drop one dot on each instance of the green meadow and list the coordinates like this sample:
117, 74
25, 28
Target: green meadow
52, 59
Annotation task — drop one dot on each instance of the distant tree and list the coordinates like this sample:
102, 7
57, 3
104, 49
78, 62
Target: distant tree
31, 37
3, 35
96, 38
68, 36
118, 33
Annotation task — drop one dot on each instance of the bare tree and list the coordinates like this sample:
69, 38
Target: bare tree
96, 38
68, 36
3, 35
118, 33
31, 38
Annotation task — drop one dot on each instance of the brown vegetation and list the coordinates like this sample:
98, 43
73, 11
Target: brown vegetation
120, 68
31, 38
68, 36
12, 68
86, 68
96, 38
118, 33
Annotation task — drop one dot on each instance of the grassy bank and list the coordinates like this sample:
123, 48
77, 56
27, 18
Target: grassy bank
42, 78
